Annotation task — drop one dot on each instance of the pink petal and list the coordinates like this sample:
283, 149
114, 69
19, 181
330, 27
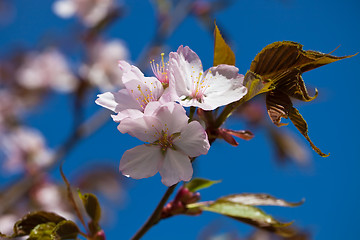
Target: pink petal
176, 167
173, 117
130, 72
128, 113
152, 107
146, 83
193, 140
144, 90
124, 66
141, 162
146, 128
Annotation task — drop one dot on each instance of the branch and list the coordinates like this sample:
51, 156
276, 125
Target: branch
155, 216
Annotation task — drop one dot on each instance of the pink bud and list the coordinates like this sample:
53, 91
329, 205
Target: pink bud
194, 198
201, 7
100, 235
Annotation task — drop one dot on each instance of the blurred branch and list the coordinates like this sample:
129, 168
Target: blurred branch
113, 15
164, 30
21, 186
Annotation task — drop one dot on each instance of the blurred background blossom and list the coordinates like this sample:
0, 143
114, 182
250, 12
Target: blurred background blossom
24, 149
103, 71
90, 12
47, 69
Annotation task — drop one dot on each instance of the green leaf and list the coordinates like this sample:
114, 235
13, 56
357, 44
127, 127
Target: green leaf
25, 225
250, 215
197, 184
255, 199
66, 230
92, 206
222, 52
302, 126
42, 232
233, 209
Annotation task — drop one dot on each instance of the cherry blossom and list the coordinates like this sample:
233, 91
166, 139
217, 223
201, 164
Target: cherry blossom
132, 100
49, 197
102, 71
89, 11
190, 86
47, 69
170, 143
24, 149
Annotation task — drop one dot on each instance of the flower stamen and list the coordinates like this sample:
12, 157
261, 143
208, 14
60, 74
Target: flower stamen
161, 70
144, 98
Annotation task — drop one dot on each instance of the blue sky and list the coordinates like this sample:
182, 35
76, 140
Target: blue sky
331, 186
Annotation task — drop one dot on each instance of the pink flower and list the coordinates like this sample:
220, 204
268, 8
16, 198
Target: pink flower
190, 86
170, 142
131, 101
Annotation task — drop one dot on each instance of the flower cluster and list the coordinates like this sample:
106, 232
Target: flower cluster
151, 109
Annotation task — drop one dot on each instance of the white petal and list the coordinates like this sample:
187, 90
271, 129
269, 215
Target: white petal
195, 103
146, 128
141, 162
176, 167
64, 8
224, 86
117, 101
184, 66
193, 140
191, 58
107, 100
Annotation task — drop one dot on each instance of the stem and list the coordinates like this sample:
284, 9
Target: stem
226, 113
83, 234
192, 112
71, 197
155, 216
